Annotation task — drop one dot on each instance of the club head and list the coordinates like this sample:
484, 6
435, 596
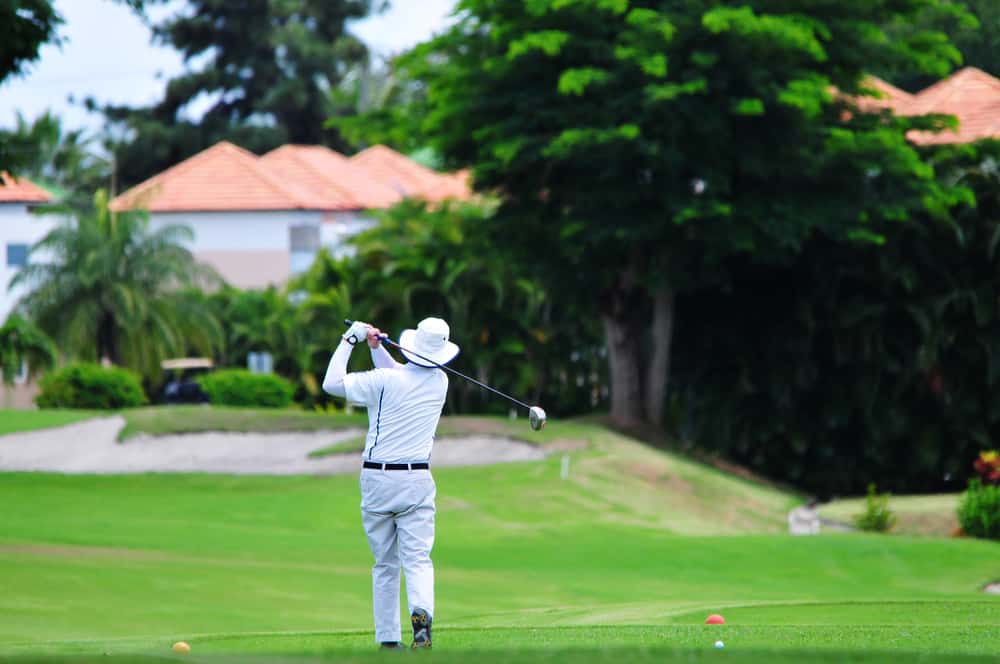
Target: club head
536, 417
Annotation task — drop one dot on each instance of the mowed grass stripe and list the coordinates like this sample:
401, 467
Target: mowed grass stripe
669, 643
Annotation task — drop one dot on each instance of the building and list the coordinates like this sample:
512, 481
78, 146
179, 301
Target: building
969, 94
259, 220
19, 230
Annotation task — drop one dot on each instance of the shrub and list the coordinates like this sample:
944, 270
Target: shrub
877, 517
979, 511
239, 387
90, 386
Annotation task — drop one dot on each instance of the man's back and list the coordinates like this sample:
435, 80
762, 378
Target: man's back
404, 406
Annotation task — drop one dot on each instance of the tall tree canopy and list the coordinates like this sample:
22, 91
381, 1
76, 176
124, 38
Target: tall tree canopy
25, 25
975, 33
65, 162
637, 144
269, 68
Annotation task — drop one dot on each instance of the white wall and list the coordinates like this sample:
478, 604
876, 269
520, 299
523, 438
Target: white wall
17, 226
249, 249
338, 226
237, 231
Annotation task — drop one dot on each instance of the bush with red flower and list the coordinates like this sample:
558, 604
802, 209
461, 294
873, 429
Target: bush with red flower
988, 467
979, 510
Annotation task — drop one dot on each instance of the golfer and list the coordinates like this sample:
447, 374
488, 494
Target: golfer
404, 404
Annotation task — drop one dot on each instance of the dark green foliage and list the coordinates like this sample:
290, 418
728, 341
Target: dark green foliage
979, 511
22, 342
90, 386
239, 387
421, 261
25, 25
639, 145
269, 67
854, 363
975, 32
877, 517
297, 334
64, 162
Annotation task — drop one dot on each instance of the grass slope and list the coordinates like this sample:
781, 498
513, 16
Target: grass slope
933, 515
162, 420
16, 421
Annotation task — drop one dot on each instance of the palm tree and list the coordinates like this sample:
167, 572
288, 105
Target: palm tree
106, 287
23, 344
64, 161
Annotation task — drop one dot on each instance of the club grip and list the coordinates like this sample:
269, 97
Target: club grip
348, 322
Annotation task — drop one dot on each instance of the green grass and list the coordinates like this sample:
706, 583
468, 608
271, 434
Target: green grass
356, 444
932, 515
572, 434
619, 563
15, 421
162, 420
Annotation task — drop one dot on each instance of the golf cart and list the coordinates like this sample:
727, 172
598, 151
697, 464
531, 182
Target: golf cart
182, 386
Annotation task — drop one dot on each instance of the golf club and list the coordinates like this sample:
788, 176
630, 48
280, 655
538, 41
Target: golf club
536, 415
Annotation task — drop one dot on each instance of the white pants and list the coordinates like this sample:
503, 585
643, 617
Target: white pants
397, 509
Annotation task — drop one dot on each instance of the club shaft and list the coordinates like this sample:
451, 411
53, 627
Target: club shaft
385, 339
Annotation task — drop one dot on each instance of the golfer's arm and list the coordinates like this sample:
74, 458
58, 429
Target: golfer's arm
333, 382
383, 360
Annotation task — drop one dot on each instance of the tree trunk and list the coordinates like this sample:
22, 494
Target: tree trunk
624, 369
107, 344
658, 373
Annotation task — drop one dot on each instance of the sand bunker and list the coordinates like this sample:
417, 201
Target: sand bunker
90, 447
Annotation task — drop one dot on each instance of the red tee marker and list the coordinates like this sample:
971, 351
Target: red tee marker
715, 619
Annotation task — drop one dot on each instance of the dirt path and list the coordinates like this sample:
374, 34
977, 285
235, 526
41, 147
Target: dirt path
91, 447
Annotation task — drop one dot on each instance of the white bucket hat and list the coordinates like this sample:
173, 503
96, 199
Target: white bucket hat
430, 340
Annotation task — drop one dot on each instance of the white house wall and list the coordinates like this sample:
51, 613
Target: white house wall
17, 226
249, 249
338, 226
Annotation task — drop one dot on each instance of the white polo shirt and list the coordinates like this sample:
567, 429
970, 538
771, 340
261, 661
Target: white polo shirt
404, 406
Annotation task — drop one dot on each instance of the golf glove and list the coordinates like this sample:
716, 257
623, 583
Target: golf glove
356, 333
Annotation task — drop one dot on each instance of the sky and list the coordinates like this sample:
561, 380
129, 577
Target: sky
107, 54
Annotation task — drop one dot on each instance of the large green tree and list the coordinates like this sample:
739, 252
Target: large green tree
864, 364
637, 144
25, 25
66, 162
106, 286
268, 67
975, 33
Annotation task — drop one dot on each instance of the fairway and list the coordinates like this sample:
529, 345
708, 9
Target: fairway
611, 564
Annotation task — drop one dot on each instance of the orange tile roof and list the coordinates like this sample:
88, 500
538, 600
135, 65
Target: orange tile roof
21, 190
450, 186
889, 96
226, 177
408, 177
330, 175
223, 177
971, 95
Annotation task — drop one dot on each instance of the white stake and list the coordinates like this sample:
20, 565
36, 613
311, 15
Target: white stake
564, 473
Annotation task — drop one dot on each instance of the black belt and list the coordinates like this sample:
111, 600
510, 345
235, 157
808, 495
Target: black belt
396, 466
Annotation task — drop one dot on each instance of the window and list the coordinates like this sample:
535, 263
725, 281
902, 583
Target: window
260, 362
22, 376
304, 242
17, 255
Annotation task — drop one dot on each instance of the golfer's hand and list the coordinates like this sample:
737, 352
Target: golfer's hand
374, 337
357, 332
